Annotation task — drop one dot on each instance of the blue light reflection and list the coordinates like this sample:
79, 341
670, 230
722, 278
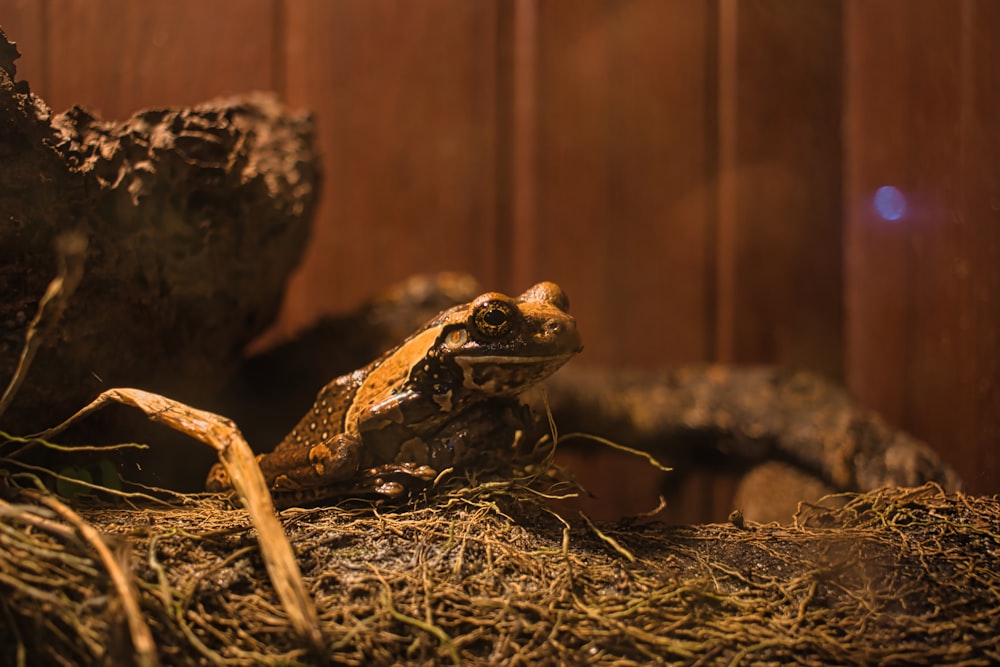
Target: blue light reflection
890, 203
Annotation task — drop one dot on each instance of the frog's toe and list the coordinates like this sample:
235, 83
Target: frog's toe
218, 479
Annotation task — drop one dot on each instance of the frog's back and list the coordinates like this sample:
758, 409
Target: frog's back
326, 417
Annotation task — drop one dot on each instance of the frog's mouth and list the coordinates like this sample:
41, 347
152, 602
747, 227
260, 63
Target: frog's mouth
468, 360
498, 374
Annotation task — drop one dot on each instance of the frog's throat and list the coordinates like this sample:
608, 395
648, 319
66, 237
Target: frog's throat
507, 375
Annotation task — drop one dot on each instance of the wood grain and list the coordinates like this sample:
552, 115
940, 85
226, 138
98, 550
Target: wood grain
780, 262
979, 199
117, 56
23, 21
624, 146
924, 326
405, 100
876, 135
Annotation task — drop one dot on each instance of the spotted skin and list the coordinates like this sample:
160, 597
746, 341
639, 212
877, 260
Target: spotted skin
446, 396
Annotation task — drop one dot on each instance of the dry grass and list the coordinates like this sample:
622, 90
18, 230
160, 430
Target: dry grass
484, 573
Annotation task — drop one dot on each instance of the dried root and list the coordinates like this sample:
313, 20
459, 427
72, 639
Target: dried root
486, 574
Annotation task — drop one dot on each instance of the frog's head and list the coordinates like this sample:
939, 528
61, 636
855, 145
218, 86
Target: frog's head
502, 345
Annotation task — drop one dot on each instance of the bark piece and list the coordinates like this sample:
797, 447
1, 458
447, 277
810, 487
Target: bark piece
753, 413
194, 219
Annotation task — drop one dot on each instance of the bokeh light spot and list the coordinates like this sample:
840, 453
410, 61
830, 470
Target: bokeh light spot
890, 202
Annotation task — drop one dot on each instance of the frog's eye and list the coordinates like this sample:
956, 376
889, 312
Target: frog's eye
493, 318
456, 339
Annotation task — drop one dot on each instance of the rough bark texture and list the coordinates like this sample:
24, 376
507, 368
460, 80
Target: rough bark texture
752, 413
791, 435
194, 218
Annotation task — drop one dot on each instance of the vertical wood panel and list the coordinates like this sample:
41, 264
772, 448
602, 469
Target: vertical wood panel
938, 268
780, 279
23, 23
518, 178
979, 199
624, 134
117, 56
922, 116
623, 212
876, 135
405, 100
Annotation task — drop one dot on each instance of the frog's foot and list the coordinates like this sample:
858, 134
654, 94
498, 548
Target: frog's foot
218, 479
293, 469
396, 479
392, 481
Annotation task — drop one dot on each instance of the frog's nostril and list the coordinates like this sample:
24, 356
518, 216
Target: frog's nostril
553, 326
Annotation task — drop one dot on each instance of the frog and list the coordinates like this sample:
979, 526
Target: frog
449, 395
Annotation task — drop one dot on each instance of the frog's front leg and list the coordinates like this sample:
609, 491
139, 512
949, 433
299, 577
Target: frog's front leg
300, 467
392, 480
311, 466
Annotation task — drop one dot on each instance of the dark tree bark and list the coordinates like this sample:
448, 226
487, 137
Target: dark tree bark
753, 414
194, 218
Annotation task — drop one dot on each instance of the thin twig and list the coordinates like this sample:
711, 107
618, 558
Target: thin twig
71, 249
612, 542
620, 447
222, 435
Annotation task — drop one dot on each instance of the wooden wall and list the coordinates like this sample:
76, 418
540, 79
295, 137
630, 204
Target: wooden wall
697, 175
923, 293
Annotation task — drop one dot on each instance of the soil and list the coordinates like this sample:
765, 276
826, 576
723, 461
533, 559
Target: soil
483, 572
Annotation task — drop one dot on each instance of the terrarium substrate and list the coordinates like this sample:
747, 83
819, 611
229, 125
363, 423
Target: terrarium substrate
485, 573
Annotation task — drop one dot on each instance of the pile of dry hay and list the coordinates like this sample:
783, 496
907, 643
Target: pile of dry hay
484, 574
